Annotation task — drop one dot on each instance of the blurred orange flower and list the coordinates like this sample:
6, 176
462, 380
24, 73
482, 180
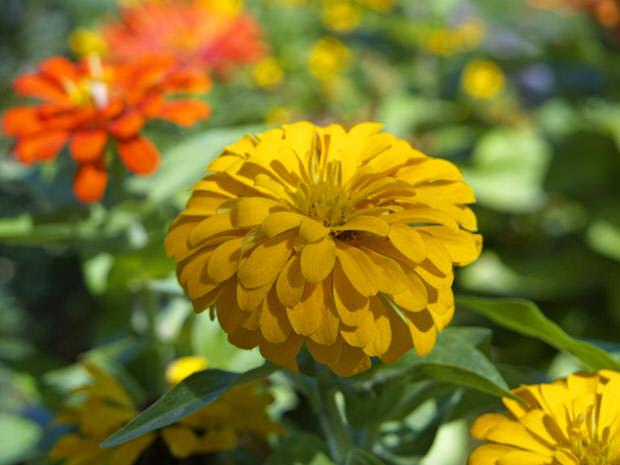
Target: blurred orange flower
197, 32
90, 103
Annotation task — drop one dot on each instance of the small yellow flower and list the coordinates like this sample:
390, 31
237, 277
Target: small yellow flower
341, 15
267, 73
471, 33
277, 116
444, 42
482, 79
379, 5
107, 407
182, 367
328, 56
573, 421
227, 7
342, 241
84, 42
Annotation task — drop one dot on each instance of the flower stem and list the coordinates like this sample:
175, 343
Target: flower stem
336, 432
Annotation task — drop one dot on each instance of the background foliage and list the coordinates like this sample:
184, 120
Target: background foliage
542, 155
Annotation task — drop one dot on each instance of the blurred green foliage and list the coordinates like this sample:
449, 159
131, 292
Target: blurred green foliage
543, 156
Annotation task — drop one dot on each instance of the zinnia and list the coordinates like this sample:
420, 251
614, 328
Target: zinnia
91, 102
572, 421
218, 426
344, 241
198, 33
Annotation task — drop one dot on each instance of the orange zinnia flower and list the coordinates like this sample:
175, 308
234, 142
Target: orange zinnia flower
196, 32
91, 102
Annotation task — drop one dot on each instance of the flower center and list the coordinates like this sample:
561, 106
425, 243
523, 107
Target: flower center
324, 198
585, 441
91, 90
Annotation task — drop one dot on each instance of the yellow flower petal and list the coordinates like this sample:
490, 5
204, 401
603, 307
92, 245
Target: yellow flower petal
274, 324
352, 307
358, 268
290, 283
279, 222
210, 227
371, 224
128, 453
306, 316
224, 260
265, 262
284, 354
488, 454
317, 260
423, 331
408, 242
312, 230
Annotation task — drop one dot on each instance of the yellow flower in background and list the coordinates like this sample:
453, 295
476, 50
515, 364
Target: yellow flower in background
267, 73
379, 5
106, 407
444, 42
341, 15
84, 42
482, 79
466, 36
182, 367
278, 116
327, 57
573, 421
344, 241
471, 33
231, 7
104, 410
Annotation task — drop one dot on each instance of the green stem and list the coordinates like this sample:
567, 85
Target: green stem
154, 346
336, 431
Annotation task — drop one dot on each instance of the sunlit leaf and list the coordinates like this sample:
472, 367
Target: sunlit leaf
526, 318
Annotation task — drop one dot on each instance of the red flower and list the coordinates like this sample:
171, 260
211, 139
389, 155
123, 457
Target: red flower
196, 32
92, 103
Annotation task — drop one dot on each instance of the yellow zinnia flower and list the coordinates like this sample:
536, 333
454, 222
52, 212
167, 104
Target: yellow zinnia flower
327, 57
341, 15
267, 73
482, 79
107, 407
573, 421
344, 241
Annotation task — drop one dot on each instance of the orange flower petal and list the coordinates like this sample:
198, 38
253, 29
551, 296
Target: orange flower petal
185, 112
90, 182
139, 155
59, 68
40, 147
35, 85
88, 146
128, 125
20, 120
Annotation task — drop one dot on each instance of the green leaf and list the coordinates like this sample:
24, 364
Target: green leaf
361, 457
185, 398
454, 359
526, 318
300, 449
18, 438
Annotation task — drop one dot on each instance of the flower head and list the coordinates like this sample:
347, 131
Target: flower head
327, 57
93, 102
181, 368
344, 241
572, 421
105, 407
482, 79
199, 33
